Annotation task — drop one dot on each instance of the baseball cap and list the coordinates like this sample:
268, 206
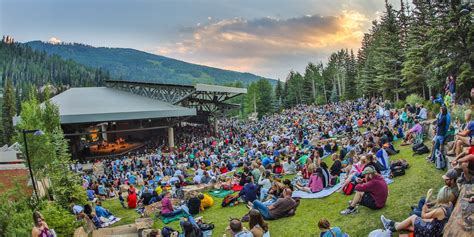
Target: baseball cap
451, 174
368, 170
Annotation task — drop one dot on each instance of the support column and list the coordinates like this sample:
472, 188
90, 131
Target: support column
215, 126
171, 137
104, 129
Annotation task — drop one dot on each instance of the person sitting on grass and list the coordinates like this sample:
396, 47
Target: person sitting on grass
432, 220
412, 133
450, 183
372, 191
336, 167
189, 228
355, 170
326, 230
194, 204
249, 191
466, 163
206, 201
315, 183
167, 209
265, 185
100, 211
235, 229
257, 224
463, 138
276, 210
132, 199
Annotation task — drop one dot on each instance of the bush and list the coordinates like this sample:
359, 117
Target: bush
16, 217
414, 99
457, 112
59, 219
399, 104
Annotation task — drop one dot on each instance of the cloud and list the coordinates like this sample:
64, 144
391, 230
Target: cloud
54, 40
268, 46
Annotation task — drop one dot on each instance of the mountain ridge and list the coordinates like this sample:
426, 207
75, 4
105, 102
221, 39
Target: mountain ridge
135, 65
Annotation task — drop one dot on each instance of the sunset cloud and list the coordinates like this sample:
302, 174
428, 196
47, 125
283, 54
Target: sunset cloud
261, 45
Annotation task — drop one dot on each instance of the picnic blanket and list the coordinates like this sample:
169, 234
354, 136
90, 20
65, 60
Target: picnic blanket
220, 193
237, 188
168, 220
323, 193
386, 176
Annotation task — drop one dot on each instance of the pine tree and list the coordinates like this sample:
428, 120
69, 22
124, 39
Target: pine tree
8, 111
279, 93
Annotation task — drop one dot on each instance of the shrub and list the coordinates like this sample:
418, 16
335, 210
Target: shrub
399, 104
413, 99
59, 219
433, 108
457, 112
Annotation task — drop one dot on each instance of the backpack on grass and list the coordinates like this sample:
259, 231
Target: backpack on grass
440, 160
420, 149
348, 189
230, 199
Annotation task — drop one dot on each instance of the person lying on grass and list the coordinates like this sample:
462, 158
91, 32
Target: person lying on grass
372, 191
433, 217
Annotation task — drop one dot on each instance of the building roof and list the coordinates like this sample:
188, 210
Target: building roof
98, 104
197, 87
219, 89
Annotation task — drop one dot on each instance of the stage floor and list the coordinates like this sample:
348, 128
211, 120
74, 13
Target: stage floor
113, 148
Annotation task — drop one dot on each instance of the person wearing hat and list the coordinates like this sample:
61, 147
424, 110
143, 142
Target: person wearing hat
432, 220
450, 184
450, 181
372, 193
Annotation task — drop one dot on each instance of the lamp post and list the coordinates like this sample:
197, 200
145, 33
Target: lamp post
36, 132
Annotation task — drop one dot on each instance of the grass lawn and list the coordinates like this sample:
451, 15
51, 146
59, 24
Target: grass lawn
404, 192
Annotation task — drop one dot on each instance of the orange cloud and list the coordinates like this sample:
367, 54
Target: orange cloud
264, 46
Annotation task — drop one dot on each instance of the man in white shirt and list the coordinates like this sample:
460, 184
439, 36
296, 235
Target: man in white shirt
423, 115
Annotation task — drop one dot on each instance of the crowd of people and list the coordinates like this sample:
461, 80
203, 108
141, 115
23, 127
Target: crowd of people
253, 157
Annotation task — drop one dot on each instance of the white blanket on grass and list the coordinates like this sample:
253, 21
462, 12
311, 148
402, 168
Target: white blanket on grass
323, 193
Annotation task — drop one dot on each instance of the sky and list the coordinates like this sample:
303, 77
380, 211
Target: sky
265, 37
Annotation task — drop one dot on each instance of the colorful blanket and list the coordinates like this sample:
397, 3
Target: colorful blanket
323, 193
168, 220
220, 193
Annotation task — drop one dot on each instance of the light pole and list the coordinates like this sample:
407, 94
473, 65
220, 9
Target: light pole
35, 132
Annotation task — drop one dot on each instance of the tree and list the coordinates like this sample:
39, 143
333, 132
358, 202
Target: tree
49, 153
279, 94
264, 100
8, 111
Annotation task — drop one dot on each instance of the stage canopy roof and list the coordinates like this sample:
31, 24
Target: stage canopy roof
211, 99
99, 104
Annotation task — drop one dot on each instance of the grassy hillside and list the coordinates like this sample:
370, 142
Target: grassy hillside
131, 64
404, 192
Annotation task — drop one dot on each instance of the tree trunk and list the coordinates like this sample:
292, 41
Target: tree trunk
314, 91
325, 94
424, 93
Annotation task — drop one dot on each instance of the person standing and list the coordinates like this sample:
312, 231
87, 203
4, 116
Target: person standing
441, 130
